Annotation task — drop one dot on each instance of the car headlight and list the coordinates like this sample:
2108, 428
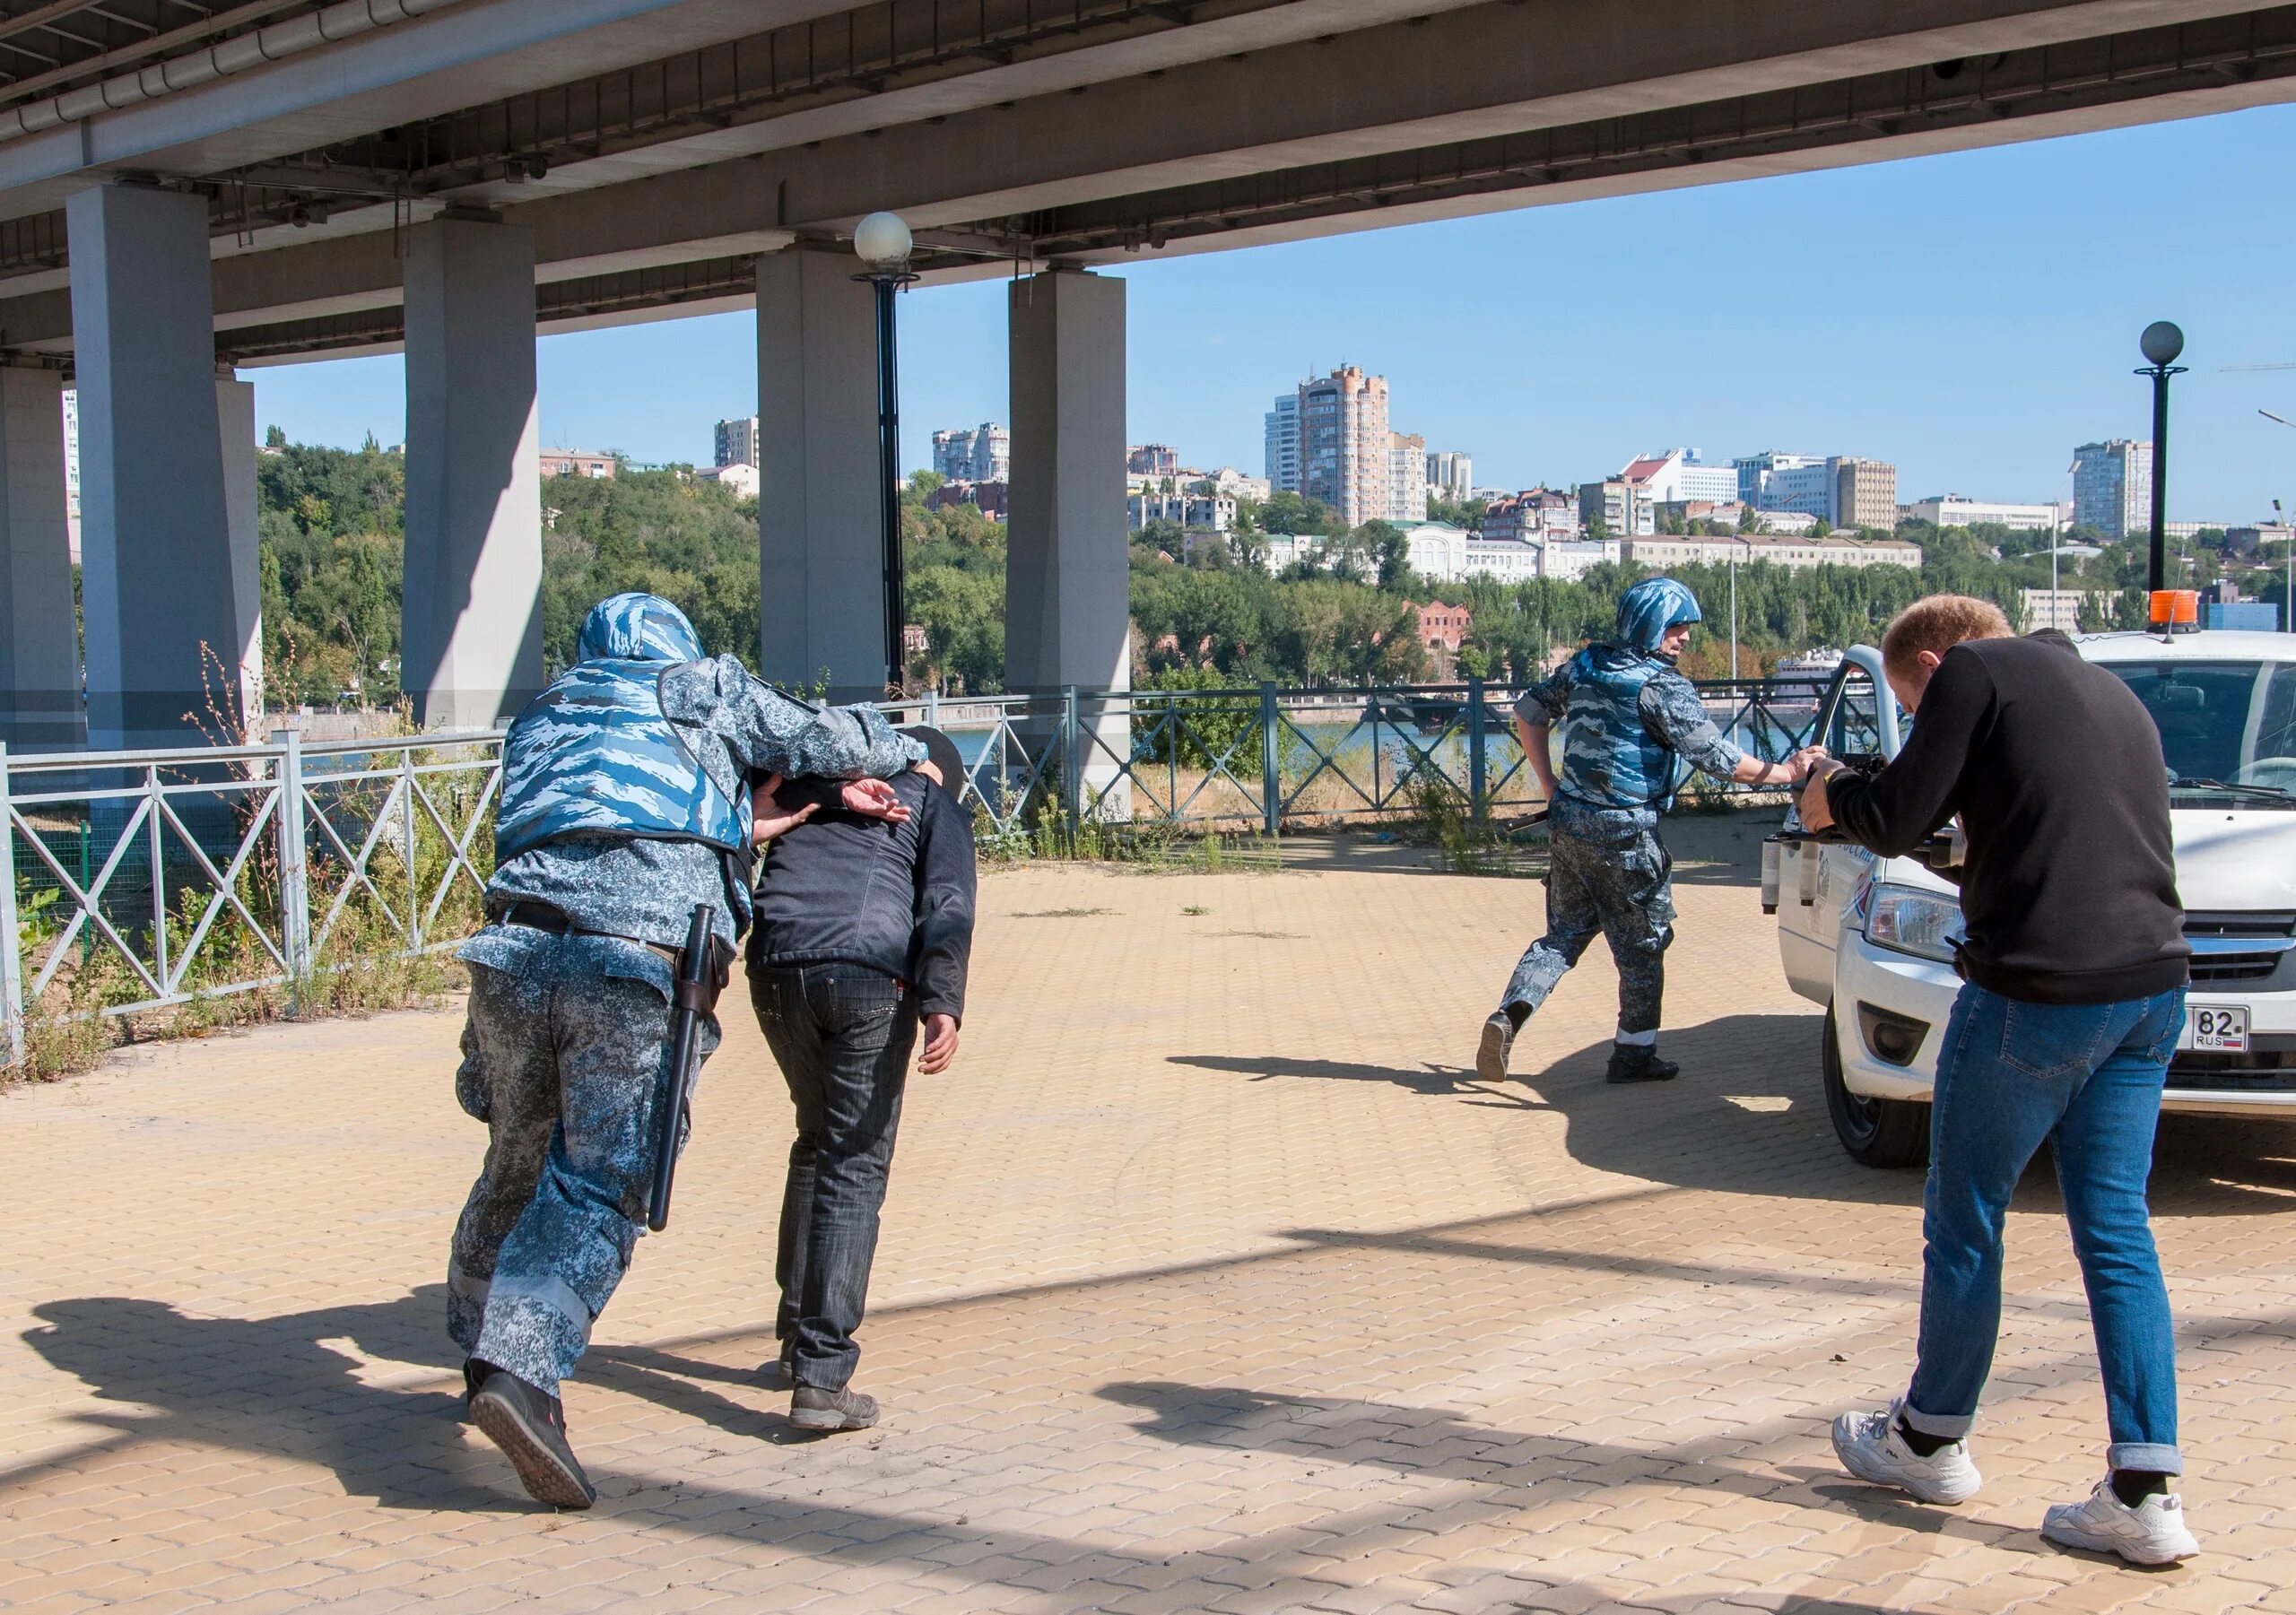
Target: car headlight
1910, 921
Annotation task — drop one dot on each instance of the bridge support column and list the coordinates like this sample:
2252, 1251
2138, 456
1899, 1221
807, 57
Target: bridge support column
235, 414
39, 641
155, 577
1067, 614
471, 615
819, 571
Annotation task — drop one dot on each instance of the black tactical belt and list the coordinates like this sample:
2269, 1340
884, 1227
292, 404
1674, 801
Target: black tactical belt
549, 917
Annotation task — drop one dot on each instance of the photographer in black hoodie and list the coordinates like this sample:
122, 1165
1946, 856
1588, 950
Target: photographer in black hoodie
864, 928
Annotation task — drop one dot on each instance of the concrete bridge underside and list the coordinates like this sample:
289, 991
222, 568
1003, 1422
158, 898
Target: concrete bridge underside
410, 173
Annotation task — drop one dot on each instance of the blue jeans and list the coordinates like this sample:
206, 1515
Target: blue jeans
2085, 1079
842, 1034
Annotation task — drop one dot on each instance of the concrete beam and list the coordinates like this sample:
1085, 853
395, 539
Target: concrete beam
471, 614
468, 55
154, 532
820, 570
40, 637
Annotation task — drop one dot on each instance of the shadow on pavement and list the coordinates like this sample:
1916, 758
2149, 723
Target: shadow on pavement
273, 1386
1748, 1117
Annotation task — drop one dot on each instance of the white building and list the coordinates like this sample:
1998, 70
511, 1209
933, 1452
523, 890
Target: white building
980, 454
1678, 474
736, 442
1406, 478
739, 475
1450, 476
1570, 560
1755, 471
1282, 465
1285, 550
1806, 489
1624, 509
1956, 510
1666, 551
2112, 487
1788, 524
1203, 512
2053, 608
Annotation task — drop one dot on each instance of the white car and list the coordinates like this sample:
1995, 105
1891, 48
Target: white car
1870, 938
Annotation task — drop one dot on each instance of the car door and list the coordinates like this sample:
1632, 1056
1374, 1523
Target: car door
1856, 719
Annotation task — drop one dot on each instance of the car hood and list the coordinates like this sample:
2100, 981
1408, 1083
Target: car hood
2227, 862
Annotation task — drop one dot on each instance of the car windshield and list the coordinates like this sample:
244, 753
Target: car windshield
2234, 721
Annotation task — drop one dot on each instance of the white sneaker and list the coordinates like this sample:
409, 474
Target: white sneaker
1871, 1448
2151, 1533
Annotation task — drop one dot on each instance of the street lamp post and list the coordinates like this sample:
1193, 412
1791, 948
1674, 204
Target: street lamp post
2161, 344
882, 241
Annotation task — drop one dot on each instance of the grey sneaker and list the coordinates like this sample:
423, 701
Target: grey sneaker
1871, 1448
2152, 1532
811, 1408
778, 1374
1497, 1038
530, 1428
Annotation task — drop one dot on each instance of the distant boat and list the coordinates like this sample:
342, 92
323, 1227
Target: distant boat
1817, 665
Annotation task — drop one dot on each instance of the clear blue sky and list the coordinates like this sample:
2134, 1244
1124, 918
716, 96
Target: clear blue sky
1969, 317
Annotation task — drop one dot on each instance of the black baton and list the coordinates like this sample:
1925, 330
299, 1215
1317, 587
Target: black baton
696, 992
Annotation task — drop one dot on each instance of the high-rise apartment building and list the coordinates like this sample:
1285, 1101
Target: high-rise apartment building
2112, 487
1864, 493
980, 454
1450, 476
1283, 467
1344, 443
1406, 478
736, 442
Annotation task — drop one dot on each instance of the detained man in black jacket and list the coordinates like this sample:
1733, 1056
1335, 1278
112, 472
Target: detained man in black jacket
864, 928
2072, 1000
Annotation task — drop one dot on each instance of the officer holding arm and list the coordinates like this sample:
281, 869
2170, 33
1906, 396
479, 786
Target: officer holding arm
625, 805
1632, 726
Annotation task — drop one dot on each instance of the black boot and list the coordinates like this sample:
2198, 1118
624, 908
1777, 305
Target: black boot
474, 1373
530, 1428
811, 1408
1639, 1062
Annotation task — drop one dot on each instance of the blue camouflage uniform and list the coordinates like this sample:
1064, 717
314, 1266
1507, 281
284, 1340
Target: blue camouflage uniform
1631, 728
625, 804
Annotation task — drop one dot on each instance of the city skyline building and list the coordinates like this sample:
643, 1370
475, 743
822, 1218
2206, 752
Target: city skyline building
1152, 460
2112, 487
977, 453
1450, 476
1679, 475
1959, 511
1281, 465
1864, 493
1344, 443
1406, 477
735, 442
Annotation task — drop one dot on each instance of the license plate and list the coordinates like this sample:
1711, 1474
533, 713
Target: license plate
2220, 1029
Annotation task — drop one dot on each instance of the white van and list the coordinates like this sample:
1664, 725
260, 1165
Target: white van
1870, 938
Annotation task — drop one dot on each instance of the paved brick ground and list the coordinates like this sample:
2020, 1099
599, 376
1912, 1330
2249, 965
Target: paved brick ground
1212, 1281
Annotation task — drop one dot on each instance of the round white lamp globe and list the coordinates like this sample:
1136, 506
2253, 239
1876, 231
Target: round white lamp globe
882, 241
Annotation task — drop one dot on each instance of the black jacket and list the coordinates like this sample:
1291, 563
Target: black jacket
840, 889
2069, 883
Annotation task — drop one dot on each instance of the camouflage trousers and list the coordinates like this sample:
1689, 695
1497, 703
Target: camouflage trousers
565, 1055
1617, 881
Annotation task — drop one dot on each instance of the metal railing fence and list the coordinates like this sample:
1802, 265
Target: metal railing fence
131, 882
